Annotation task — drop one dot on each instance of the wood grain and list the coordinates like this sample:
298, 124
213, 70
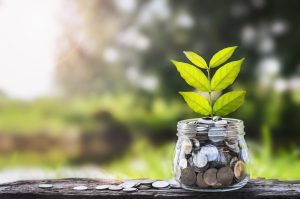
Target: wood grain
63, 189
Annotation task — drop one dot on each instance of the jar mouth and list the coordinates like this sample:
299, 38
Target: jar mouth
190, 127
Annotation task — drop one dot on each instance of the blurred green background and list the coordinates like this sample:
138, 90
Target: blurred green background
103, 101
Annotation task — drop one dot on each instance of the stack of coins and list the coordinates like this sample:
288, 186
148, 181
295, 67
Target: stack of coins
212, 158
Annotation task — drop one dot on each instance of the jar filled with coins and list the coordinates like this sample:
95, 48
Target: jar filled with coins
211, 154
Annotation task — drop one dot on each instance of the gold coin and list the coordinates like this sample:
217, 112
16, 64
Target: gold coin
239, 169
188, 176
210, 177
225, 176
200, 182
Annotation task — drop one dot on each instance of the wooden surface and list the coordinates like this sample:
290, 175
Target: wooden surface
257, 188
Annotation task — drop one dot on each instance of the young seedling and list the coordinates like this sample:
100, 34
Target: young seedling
222, 78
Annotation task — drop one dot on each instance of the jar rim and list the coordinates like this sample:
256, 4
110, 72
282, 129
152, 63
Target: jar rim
235, 127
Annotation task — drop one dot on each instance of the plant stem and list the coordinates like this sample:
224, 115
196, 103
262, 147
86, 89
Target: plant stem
209, 92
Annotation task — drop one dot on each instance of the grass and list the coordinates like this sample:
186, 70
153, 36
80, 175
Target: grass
146, 161
143, 159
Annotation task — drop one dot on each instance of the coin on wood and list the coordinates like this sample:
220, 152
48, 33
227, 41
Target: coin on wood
225, 176
102, 187
160, 184
188, 176
115, 187
144, 187
200, 181
80, 188
131, 189
210, 177
147, 181
45, 186
239, 169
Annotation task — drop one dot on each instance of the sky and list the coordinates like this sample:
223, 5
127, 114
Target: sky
28, 34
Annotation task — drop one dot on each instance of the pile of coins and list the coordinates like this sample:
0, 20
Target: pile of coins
214, 157
127, 186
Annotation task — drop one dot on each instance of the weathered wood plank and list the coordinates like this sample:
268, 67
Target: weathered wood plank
63, 189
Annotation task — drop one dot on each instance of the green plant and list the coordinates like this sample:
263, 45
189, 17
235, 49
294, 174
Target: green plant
222, 78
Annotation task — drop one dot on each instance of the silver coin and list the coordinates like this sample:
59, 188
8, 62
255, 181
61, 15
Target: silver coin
221, 123
205, 121
183, 163
80, 188
144, 187
195, 143
217, 118
187, 146
115, 187
217, 134
132, 189
210, 151
233, 147
45, 186
160, 184
102, 187
202, 128
222, 159
130, 184
147, 182
174, 184
200, 160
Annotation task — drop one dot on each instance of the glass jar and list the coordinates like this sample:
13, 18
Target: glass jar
211, 154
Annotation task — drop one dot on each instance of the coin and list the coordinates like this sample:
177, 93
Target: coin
239, 169
222, 158
146, 181
174, 184
205, 120
200, 182
233, 147
187, 146
130, 183
188, 176
217, 134
210, 177
102, 187
233, 161
217, 118
160, 184
210, 151
183, 163
80, 188
132, 189
225, 176
144, 187
221, 123
202, 169
45, 186
196, 143
200, 160
115, 187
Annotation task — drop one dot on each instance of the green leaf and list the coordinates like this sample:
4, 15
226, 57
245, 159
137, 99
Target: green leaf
221, 56
197, 102
192, 75
226, 75
229, 102
196, 59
